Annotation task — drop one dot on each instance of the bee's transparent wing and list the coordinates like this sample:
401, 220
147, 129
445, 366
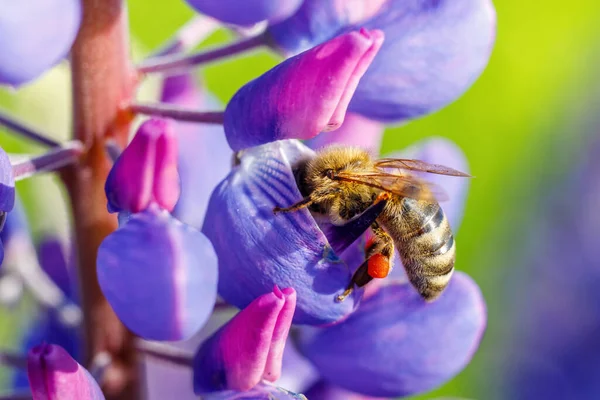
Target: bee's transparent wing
418, 165
401, 185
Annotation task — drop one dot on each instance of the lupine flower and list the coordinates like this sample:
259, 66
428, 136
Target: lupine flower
302, 96
249, 348
433, 51
54, 375
34, 36
554, 302
246, 12
174, 263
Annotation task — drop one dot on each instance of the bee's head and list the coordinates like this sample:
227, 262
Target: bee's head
321, 171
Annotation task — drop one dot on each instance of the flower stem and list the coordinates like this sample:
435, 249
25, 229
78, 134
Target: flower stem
50, 161
102, 80
189, 35
22, 129
185, 62
177, 113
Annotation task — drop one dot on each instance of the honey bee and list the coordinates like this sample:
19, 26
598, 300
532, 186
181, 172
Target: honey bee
343, 182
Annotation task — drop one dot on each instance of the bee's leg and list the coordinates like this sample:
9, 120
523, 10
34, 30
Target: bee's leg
378, 263
305, 202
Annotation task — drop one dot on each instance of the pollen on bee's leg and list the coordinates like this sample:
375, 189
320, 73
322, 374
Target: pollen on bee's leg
378, 266
383, 196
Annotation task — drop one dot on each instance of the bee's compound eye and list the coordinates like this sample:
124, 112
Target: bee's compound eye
330, 174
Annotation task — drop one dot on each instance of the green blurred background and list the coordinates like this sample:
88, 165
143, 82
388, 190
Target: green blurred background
521, 126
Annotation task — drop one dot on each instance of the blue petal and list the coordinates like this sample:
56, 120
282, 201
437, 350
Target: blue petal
396, 344
7, 180
258, 249
433, 52
54, 262
204, 155
34, 36
159, 276
247, 12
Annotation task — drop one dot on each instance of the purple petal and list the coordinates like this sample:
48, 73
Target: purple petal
7, 180
34, 36
248, 348
204, 155
302, 96
297, 373
257, 249
356, 131
433, 52
445, 152
396, 344
146, 171
247, 12
175, 273
54, 375
317, 21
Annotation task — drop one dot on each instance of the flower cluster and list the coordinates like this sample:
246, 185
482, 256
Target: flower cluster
195, 191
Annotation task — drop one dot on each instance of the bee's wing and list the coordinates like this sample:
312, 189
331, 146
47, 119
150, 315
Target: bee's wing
401, 185
418, 165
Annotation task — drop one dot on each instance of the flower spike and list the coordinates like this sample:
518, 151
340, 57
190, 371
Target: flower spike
249, 348
302, 96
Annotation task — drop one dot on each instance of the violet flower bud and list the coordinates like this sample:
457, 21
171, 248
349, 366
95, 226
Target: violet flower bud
249, 348
396, 344
146, 172
302, 96
247, 12
433, 51
159, 275
34, 36
54, 375
260, 249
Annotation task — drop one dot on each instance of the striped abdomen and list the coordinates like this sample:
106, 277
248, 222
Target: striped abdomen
424, 240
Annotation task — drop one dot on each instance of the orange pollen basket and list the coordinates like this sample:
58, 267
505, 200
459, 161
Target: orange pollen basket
379, 266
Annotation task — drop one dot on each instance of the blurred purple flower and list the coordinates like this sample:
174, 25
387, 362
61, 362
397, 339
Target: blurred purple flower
433, 52
554, 301
396, 344
34, 36
249, 348
325, 391
302, 96
175, 273
146, 172
54, 375
247, 12
204, 155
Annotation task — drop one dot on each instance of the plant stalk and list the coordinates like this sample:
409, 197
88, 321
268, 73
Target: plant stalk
102, 81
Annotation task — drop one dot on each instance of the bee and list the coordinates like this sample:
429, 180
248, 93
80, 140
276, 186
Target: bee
343, 182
